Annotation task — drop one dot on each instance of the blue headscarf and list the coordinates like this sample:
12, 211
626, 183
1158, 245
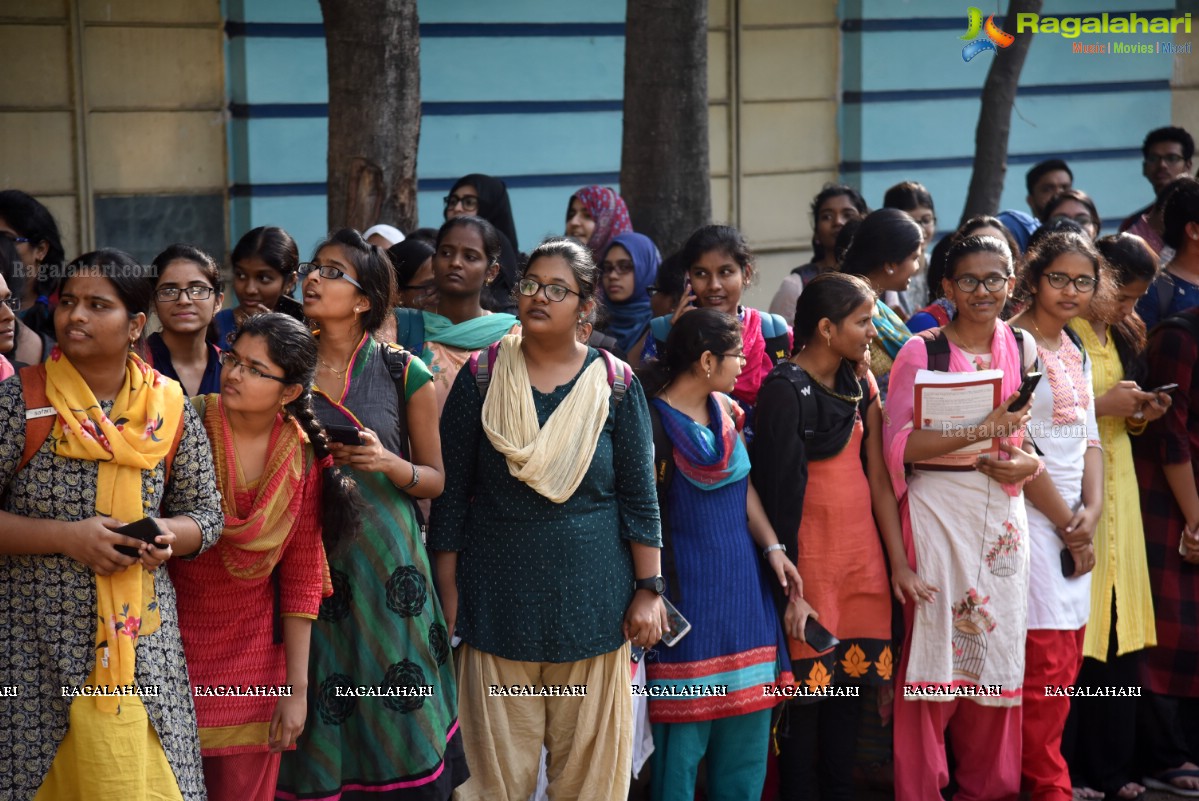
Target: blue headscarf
627, 320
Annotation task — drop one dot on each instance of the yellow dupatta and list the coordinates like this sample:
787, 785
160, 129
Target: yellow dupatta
137, 436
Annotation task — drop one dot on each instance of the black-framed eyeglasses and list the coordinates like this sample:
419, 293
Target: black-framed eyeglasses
468, 202
230, 362
968, 283
1173, 159
738, 355
425, 288
170, 294
326, 272
1083, 283
13, 303
529, 287
1083, 220
11, 237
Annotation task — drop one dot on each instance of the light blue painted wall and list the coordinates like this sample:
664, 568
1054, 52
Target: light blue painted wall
454, 69
1067, 122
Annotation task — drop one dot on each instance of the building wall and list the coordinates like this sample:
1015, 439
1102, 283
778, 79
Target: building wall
910, 105
112, 113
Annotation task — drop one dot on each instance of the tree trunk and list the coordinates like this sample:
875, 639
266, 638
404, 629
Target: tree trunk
995, 117
373, 49
664, 154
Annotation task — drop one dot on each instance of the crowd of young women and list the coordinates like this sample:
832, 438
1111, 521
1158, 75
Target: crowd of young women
400, 508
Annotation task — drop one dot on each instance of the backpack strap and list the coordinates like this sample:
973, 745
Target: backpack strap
664, 468
775, 331
936, 345
1077, 340
40, 417
620, 375
397, 360
482, 369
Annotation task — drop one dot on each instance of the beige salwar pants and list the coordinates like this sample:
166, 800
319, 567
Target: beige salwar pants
506, 717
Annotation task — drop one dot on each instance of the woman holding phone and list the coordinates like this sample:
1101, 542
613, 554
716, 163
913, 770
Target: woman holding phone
721, 557
383, 626
117, 441
972, 633
1062, 277
813, 475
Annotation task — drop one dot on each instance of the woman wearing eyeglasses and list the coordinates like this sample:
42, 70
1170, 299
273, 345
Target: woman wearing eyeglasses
109, 443
31, 228
1076, 205
966, 533
465, 265
281, 496
26, 346
546, 543
1062, 275
478, 195
382, 629
186, 297
628, 270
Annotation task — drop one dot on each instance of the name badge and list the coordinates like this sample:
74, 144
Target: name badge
45, 411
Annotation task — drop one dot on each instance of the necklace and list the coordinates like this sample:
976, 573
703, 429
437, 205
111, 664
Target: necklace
961, 343
1044, 339
339, 373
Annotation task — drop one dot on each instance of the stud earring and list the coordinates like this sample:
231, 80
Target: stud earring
709, 373
890, 271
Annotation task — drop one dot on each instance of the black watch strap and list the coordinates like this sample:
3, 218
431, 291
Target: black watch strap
655, 583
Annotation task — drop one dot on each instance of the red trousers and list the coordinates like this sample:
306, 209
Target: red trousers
985, 739
1051, 659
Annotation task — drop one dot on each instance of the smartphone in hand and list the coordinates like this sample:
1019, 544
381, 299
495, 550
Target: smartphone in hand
818, 637
1025, 393
145, 530
345, 435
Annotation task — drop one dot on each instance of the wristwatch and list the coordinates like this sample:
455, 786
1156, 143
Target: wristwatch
655, 583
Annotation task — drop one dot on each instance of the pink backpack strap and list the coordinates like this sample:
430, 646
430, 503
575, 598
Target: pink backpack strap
620, 375
482, 369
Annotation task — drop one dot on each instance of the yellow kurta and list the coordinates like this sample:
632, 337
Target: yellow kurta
1120, 564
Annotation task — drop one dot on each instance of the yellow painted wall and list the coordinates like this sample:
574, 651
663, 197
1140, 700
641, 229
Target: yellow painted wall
110, 97
773, 83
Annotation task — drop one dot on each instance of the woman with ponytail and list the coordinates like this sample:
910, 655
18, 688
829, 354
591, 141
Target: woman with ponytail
279, 493
383, 628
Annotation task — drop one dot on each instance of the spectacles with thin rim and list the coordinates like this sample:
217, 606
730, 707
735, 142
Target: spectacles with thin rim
13, 303
968, 283
1083, 283
170, 294
529, 287
14, 238
738, 355
424, 289
468, 202
1083, 220
1173, 159
309, 267
230, 362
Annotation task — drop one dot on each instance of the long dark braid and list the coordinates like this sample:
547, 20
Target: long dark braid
292, 347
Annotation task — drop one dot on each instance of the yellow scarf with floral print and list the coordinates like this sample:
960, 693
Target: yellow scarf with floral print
134, 437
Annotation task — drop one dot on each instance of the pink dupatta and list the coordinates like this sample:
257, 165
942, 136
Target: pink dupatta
913, 356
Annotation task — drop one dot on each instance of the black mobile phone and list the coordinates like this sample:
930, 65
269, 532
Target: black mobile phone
1164, 388
345, 435
145, 530
1025, 394
1068, 565
290, 306
818, 637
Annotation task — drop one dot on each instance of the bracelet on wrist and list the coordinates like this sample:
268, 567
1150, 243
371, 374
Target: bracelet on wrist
415, 478
769, 549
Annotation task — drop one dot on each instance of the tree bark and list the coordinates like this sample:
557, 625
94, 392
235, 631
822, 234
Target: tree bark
995, 117
373, 50
664, 175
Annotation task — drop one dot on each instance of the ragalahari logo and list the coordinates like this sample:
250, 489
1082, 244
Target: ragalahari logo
974, 43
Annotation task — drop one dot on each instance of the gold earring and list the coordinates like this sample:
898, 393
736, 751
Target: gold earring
828, 339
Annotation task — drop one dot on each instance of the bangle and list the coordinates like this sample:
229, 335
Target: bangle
415, 478
778, 546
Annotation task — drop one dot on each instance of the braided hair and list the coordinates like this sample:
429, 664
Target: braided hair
292, 347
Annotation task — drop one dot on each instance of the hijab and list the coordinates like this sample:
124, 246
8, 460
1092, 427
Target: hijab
628, 319
609, 212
